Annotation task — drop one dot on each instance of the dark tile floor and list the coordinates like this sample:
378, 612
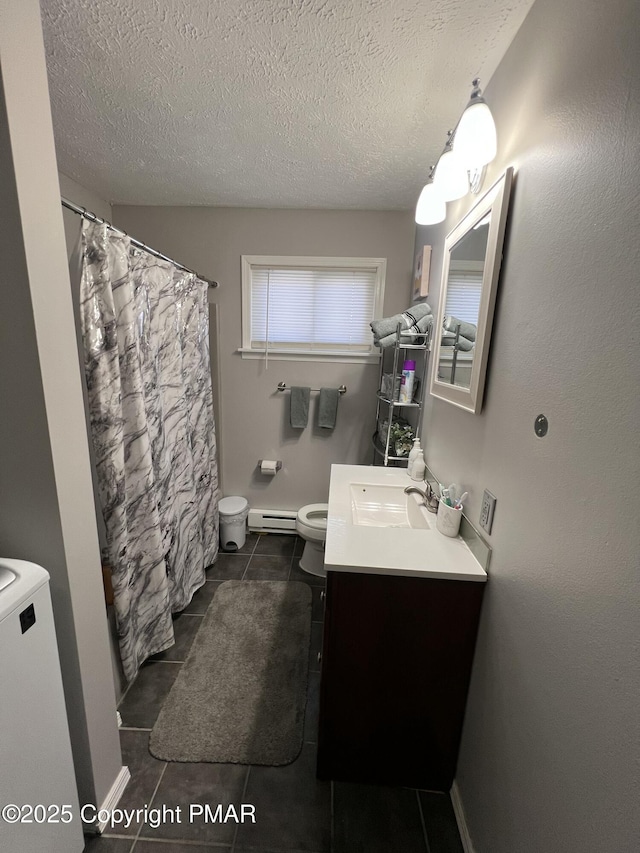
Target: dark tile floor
295, 813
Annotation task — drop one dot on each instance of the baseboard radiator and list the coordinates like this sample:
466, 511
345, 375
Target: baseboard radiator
272, 520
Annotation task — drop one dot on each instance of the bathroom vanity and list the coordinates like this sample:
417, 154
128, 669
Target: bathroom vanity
400, 628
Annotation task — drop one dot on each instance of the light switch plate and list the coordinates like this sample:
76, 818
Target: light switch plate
487, 510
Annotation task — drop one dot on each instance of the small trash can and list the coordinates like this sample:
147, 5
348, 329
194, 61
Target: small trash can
233, 522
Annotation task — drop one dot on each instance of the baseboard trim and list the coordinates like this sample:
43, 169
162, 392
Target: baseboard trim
110, 802
461, 820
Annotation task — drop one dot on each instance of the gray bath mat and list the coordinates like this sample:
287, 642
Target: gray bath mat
240, 696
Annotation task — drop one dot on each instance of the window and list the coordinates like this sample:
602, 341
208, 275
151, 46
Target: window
311, 308
464, 289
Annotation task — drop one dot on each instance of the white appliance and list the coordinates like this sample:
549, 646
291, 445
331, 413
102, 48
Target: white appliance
36, 767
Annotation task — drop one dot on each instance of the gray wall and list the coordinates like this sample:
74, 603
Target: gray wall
46, 506
253, 417
549, 758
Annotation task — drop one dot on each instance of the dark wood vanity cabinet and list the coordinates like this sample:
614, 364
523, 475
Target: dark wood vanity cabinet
396, 663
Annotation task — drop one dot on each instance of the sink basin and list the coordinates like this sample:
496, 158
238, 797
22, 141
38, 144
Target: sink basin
6, 576
373, 527
377, 505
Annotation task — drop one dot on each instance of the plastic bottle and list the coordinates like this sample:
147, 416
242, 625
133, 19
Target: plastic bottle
416, 472
415, 451
406, 386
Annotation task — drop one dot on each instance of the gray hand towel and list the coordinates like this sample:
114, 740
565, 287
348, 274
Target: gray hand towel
299, 407
407, 319
328, 407
467, 330
464, 344
389, 340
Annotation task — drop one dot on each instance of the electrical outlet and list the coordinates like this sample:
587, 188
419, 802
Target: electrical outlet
487, 510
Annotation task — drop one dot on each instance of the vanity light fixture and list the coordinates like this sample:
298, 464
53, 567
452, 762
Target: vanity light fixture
475, 136
469, 147
431, 207
451, 177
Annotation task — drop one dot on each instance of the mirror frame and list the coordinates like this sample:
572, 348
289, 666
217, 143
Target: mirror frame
496, 202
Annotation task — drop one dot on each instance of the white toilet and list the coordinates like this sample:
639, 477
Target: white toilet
311, 524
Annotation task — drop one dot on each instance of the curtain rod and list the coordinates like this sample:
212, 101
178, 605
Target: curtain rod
82, 211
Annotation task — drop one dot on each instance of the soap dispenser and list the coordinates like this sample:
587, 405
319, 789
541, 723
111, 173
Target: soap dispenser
415, 451
416, 472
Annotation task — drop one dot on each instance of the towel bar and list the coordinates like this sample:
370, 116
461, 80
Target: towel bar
282, 386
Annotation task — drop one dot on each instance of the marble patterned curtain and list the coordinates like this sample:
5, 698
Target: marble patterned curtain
145, 333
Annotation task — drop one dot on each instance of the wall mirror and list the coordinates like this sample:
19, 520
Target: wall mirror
470, 271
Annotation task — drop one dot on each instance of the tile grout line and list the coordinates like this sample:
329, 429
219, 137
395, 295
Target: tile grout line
423, 821
253, 554
331, 820
115, 835
291, 562
253, 551
155, 791
186, 842
237, 829
255, 545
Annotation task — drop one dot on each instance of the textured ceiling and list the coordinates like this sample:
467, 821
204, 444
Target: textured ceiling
265, 103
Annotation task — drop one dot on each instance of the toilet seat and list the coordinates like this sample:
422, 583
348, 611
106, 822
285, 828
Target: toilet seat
311, 521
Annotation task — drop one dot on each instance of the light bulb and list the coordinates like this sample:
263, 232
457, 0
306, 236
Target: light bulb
451, 179
475, 141
431, 207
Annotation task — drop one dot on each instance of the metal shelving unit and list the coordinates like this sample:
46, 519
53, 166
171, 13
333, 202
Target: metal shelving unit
381, 444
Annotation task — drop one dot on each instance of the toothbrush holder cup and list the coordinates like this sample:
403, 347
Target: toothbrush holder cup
448, 519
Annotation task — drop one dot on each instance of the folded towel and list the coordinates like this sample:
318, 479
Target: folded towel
299, 406
407, 319
328, 407
464, 344
423, 324
467, 330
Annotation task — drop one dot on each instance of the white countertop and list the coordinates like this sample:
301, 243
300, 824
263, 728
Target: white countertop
388, 550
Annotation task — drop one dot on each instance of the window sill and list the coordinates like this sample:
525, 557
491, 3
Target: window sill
305, 355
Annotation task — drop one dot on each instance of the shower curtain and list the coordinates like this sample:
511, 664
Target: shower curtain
145, 333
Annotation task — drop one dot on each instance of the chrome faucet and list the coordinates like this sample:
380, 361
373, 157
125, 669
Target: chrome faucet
427, 494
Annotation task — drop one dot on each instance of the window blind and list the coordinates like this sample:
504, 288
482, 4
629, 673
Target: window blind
463, 295
312, 309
